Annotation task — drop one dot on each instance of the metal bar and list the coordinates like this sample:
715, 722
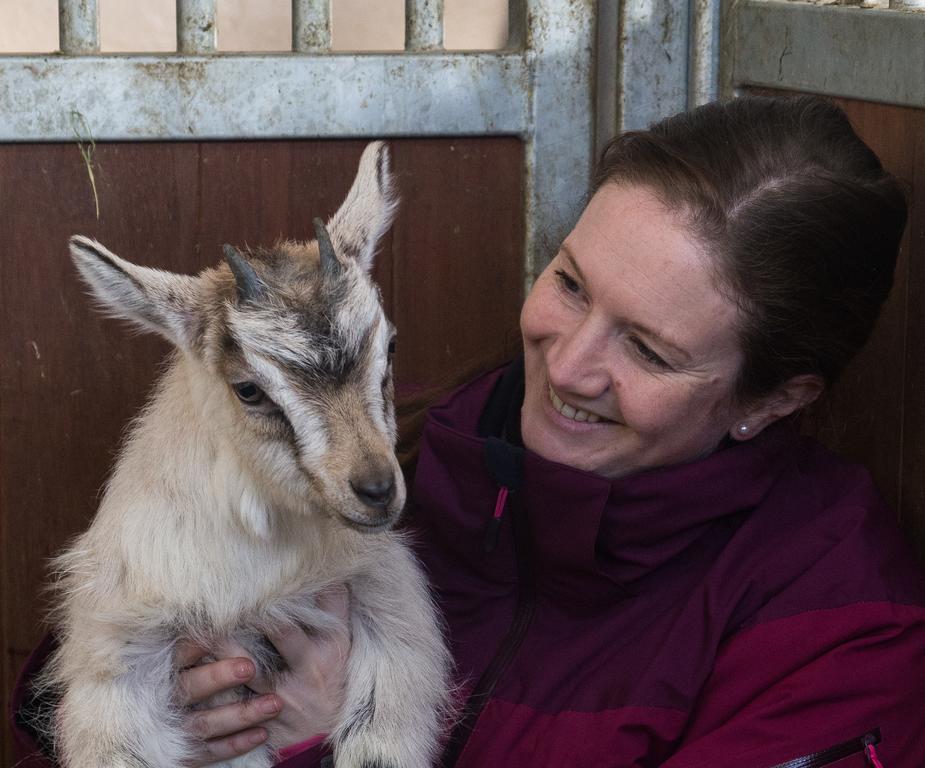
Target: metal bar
423, 25
703, 59
311, 26
559, 149
653, 70
78, 26
607, 74
196, 31
260, 97
517, 25
872, 54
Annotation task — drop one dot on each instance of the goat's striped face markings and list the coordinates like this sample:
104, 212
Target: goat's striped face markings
298, 350
312, 369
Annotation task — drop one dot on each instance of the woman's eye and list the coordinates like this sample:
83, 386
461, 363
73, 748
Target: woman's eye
248, 392
567, 282
647, 354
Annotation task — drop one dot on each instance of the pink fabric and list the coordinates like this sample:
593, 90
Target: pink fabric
499, 504
303, 746
552, 740
872, 756
825, 677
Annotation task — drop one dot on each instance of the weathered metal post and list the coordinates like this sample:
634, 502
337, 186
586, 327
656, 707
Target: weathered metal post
559, 44
311, 26
423, 25
78, 26
196, 26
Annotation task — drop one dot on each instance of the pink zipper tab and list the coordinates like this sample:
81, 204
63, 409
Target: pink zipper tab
493, 531
872, 758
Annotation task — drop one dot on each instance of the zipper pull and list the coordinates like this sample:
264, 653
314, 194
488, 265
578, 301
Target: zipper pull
505, 464
870, 752
493, 530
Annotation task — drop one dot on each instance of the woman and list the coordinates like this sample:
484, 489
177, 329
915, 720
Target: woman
639, 560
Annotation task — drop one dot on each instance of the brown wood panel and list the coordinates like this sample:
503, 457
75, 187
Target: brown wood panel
448, 280
70, 380
872, 405
876, 413
912, 501
853, 419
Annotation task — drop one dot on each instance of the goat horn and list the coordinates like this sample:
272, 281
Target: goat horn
329, 263
250, 286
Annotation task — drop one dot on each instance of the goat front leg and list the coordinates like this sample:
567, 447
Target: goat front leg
398, 672
118, 709
115, 709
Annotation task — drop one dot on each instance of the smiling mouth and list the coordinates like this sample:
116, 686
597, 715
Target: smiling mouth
570, 412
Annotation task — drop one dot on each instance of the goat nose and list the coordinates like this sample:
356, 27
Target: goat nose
374, 490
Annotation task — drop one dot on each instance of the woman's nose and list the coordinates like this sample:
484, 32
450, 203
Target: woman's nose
577, 361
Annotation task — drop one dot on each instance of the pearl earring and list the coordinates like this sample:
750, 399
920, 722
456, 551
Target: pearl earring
742, 429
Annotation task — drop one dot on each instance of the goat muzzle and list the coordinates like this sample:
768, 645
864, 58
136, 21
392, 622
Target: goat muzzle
376, 488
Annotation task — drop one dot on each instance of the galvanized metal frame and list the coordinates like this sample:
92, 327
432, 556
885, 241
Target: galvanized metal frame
657, 58
835, 50
540, 88
660, 57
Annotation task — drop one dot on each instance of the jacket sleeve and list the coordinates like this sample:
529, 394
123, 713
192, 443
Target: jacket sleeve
319, 756
25, 709
816, 684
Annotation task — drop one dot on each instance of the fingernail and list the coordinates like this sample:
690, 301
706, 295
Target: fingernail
257, 737
269, 705
244, 670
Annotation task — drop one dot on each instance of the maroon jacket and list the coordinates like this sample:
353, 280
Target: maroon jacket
753, 608
748, 609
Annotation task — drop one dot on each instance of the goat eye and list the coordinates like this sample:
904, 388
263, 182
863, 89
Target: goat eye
392, 347
248, 392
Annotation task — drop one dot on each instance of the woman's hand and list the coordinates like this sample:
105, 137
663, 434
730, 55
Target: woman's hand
306, 702
228, 730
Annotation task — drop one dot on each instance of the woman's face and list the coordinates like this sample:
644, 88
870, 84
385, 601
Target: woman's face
631, 351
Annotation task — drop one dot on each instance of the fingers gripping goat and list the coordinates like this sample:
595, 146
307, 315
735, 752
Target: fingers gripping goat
251, 482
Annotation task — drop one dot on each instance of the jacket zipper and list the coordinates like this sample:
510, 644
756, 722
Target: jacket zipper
862, 744
523, 614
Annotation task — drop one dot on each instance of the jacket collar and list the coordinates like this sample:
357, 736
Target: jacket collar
586, 528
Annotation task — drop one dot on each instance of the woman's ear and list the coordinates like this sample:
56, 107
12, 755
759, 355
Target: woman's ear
791, 396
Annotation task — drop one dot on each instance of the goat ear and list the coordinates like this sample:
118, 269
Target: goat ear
155, 300
368, 210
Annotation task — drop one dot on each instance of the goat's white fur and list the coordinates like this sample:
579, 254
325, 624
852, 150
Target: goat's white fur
213, 526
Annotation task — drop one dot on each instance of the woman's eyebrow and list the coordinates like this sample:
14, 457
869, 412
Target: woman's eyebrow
643, 329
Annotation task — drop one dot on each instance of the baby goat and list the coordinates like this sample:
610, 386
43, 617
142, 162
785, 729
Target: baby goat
261, 472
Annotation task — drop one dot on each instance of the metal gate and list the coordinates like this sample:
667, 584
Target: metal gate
540, 88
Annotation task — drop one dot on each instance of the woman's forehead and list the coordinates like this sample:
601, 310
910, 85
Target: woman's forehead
640, 262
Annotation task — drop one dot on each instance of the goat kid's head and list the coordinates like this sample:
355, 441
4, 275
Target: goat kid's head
297, 352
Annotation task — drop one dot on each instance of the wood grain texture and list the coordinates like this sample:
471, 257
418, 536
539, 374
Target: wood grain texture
853, 418
70, 380
912, 469
876, 413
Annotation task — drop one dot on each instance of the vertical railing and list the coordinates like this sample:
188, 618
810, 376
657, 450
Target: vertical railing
311, 26
540, 88
196, 31
423, 25
703, 63
78, 27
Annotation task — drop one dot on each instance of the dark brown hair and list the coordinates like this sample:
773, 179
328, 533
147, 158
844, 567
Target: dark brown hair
798, 212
